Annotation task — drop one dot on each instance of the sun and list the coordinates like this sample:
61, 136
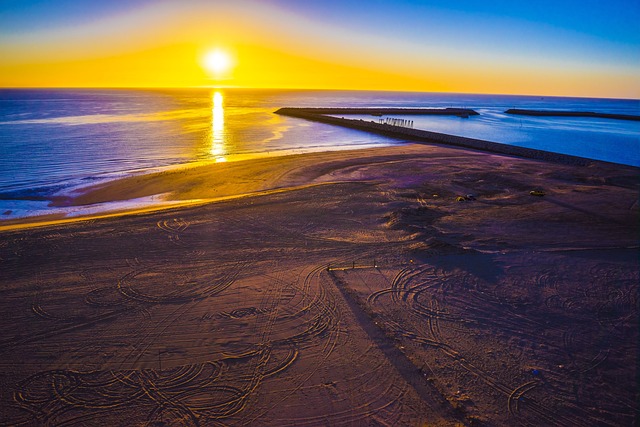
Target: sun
217, 62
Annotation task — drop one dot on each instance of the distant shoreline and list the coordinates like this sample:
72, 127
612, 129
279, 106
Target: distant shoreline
551, 113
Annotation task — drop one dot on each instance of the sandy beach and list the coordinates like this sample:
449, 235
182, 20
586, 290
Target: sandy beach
407, 285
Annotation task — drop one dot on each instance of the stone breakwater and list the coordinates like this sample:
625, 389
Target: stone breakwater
554, 113
418, 135
382, 111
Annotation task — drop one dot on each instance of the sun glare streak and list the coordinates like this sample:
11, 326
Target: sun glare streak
217, 128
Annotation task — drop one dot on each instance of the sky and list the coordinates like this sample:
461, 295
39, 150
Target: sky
564, 48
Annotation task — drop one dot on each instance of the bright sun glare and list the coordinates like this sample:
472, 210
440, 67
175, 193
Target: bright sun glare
217, 62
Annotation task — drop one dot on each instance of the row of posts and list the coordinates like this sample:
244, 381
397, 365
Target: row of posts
396, 122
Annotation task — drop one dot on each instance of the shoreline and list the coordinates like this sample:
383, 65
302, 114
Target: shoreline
58, 219
61, 203
185, 185
152, 190
193, 184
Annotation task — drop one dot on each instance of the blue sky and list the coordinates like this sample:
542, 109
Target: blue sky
613, 24
615, 21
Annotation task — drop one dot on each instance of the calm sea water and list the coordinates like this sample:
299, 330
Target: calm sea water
54, 140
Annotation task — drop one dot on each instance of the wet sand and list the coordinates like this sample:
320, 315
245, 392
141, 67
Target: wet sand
345, 288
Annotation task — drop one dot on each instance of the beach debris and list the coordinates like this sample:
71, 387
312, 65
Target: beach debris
537, 193
465, 198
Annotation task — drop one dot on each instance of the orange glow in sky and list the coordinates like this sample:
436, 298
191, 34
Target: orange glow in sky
282, 44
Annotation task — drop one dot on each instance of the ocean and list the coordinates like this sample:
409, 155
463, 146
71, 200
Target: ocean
55, 141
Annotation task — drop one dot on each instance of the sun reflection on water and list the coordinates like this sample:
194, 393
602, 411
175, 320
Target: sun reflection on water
217, 128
